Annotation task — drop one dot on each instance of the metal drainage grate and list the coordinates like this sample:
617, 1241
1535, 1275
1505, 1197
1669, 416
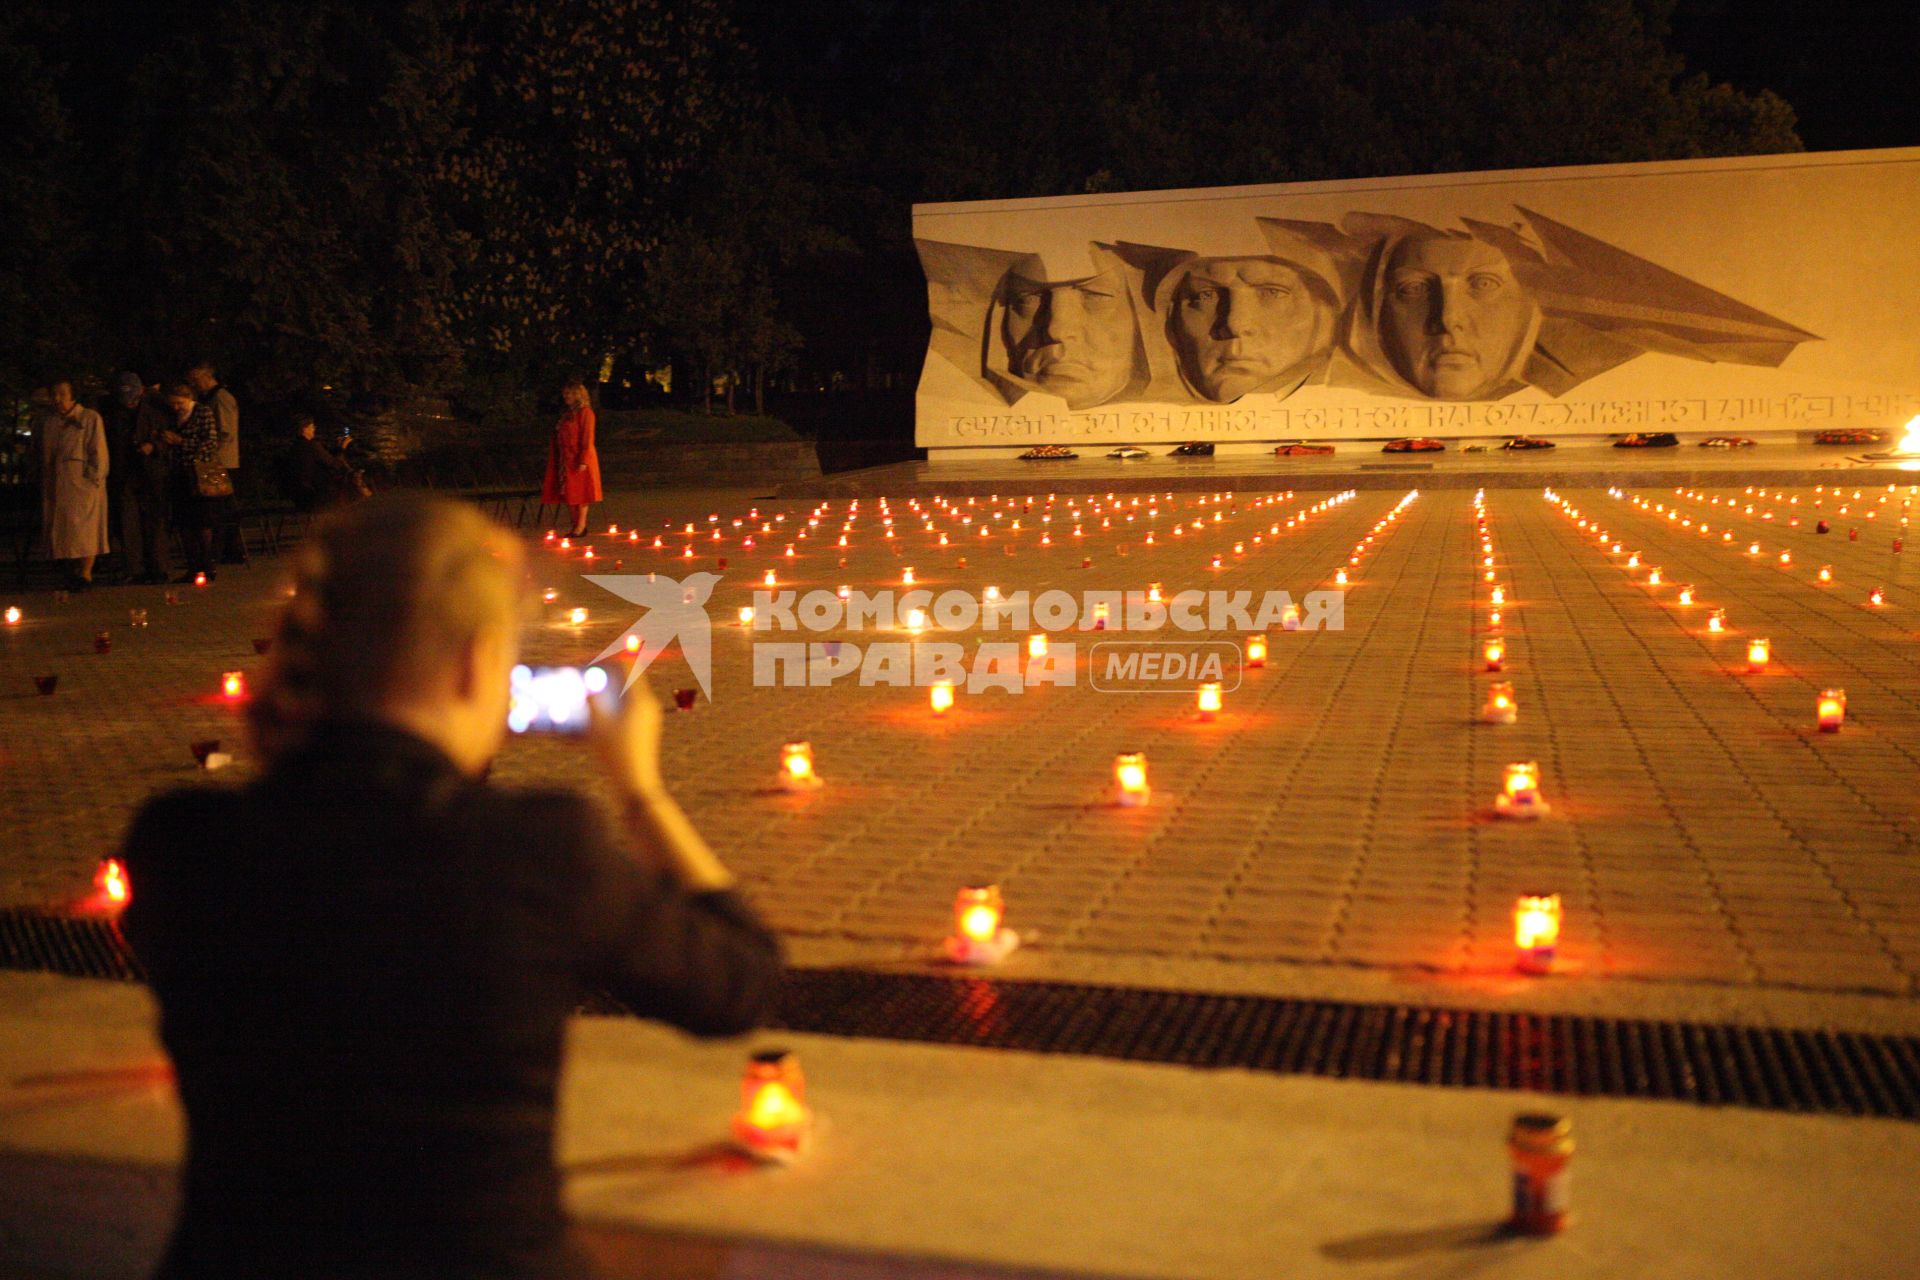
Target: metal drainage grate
82, 947
1841, 1073
1786, 1070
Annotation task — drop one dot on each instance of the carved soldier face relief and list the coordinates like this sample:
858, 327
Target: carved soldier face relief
1241, 324
1453, 319
1073, 340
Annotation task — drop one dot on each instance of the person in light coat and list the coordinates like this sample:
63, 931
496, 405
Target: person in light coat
73, 485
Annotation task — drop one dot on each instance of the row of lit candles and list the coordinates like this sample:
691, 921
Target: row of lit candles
775, 1122
1830, 707
791, 553
1500, 706
1876, 597
813, 521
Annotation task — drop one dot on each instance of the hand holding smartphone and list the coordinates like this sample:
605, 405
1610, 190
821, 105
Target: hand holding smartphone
555, 699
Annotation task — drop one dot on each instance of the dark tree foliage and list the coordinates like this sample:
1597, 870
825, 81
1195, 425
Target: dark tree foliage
276, 200
43, 319
584, 122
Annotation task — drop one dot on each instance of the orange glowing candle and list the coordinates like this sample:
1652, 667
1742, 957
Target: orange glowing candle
233, 686
1826, 573
1130, 779
110, 884
1831, 710
1536, 931
1037, 645
1520, 793
940, 697
1495, 654
1686, 594
1501, 707
746, 615
979, 937
796, 767
1717, 621
1498, 596
1653, 576
1759, 653
1340, 577
577, 616
13, 615
769, 578
1257, 651
1208, 701
977, 910
1876, 596
773, 1122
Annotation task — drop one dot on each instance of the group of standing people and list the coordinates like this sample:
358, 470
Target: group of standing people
150, 460
154, 461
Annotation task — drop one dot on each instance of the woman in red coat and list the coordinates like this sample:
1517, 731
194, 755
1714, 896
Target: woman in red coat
573, 468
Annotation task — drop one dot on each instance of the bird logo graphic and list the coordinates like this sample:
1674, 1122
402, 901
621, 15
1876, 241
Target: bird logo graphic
675, 612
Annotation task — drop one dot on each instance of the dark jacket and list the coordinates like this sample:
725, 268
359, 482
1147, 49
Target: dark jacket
364, 964
152, 421
317, 477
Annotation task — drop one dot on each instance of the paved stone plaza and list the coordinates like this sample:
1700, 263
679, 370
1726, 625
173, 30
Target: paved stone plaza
1333, 825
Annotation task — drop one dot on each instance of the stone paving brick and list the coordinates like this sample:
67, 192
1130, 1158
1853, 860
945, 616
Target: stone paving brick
1338, 812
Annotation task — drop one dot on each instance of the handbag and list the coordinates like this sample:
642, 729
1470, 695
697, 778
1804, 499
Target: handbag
210, 479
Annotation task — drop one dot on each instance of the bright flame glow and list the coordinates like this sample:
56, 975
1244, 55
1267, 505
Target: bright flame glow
796, 762
1130, 776
1523, 781
940, 697
1209, 700
1832, 709
1500, 708
110, 882
1536, 922
233, 685
977, 910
